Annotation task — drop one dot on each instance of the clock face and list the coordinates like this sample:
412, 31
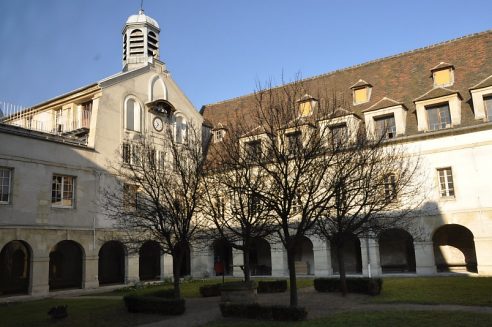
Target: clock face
157, 123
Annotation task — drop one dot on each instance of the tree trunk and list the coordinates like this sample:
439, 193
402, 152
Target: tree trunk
246, 266
292, 277
341, 269
177, 259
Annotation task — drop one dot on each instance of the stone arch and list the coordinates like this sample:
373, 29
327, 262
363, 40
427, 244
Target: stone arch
222, 256
396, 251
66, 265
133, 114
304, 257
454, 249
157, 89
111, 263
260, 258
15, 268
352, 255
149, 261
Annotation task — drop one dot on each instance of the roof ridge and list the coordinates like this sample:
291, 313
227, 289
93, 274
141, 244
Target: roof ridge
401, 54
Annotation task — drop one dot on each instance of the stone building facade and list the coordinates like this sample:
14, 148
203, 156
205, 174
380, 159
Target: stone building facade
55, 158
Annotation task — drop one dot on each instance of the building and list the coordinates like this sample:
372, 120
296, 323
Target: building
54, 166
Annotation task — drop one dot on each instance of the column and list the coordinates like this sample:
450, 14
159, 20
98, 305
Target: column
279, 260
40, 275
238, 261
370, 257
483, 251
168, 266
132, 271
91, 270
424, 258
322, 259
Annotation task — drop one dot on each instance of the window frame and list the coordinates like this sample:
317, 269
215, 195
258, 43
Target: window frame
488, 111
448, 192
428, 108
9, 190
255, 144
379, 132
62, 191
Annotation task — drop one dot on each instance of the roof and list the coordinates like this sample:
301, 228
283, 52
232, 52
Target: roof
142, 18
383, 103
436, 93
402, 78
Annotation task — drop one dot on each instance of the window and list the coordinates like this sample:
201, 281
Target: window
86, 114
219, 135
132, 116
62, 191
305, 108
385, 127
5, 182
59, 121
339, 135
130, 197
443, 77
294, 142
126, 153
253, 150
361, 94
439, 117
390, 187
181, 130
488, 107
446, 185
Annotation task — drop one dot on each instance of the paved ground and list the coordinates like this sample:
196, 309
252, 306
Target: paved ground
200, 311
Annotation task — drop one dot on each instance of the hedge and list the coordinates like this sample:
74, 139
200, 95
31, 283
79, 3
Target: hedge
233, 286
162, 302
274, 286
371, 286
263, 312
210, 290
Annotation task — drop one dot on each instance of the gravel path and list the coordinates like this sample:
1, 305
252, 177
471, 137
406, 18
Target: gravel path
201, 311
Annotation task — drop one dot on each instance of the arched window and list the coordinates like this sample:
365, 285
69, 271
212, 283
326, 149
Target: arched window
181, 129
152, 44
133, 115
136, 42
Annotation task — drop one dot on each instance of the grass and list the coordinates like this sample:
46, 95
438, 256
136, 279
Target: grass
380, 319
190, 288
437, 290
81, 313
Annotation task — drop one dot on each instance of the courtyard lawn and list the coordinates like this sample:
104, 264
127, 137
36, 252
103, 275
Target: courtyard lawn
190, 288
379, 319
81, 312
437, 290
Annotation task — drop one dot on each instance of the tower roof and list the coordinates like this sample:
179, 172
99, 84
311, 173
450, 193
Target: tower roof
142, 18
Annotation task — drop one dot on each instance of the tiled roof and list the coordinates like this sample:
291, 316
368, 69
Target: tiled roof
404, 77
436, 93
442, 65
360, 83
383, 103
485, 83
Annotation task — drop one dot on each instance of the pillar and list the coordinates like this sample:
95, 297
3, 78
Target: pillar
40, 275
238, 261
167, 272
132, 270
483, 251
322, 259
370, 257
424, 258
279, 260
90, 278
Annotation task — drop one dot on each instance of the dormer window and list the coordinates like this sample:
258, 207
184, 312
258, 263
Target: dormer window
306, 105
361, 92
439, 117
294, 142
253, 150
219, 135
385, 126
443, 75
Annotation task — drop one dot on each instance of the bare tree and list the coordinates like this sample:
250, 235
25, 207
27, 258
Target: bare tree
233, 205
375, 187
159, 192
284, 148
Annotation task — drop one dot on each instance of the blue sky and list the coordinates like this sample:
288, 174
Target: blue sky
216, 49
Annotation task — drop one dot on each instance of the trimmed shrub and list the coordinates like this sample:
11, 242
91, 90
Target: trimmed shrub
263, 312
274, 286
371, 286
154, 304
167, 294
210, 290
233, 286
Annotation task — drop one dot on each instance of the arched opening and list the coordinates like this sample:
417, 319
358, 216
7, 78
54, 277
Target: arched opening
149, 261
454, 249
396, 251
133, 115
351, 253
152, 44
15, 268
158, 91
65, 268
185, 269
260, 258
222, 257
111, 268
304, 257
136, 42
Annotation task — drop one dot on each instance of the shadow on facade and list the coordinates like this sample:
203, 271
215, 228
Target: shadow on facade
352, 256
260, 258
65, 267
223, 261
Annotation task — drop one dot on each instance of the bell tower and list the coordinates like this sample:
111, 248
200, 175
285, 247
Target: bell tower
140, 41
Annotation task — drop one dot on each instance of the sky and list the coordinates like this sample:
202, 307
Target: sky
216, 49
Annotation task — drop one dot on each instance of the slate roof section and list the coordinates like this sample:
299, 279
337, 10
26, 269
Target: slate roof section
404, 77
383, 103
436, 93
485, 83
